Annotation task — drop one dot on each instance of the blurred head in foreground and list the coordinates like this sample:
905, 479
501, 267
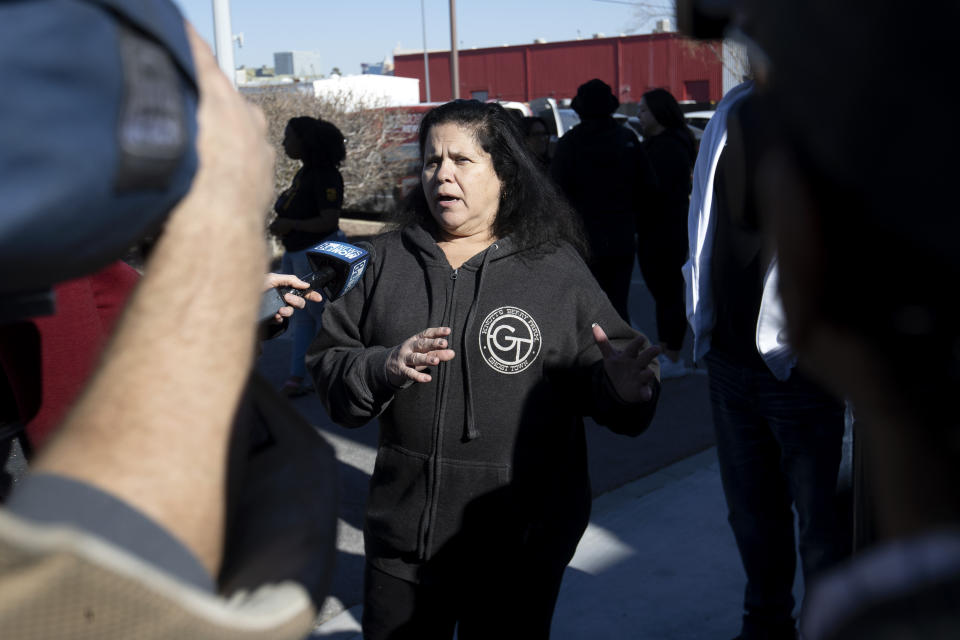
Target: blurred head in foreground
856, 183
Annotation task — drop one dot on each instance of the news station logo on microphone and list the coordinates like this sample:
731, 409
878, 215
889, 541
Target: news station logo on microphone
509, 340
347, 260
356, 274
340, 249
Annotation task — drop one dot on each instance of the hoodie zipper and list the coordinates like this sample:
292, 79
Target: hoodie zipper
435, 464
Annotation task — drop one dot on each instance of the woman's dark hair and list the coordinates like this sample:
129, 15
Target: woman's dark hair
323, 144
532, 210
664, 107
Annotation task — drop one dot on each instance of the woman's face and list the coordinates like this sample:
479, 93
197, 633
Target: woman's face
459, 183
648, 123
538, 138
291, 144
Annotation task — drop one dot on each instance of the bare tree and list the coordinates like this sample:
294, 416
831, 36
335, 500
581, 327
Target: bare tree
729, 53
736, 64
645, 14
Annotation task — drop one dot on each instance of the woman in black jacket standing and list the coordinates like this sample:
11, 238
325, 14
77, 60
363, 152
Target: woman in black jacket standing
662, 225
308, 213
479, 340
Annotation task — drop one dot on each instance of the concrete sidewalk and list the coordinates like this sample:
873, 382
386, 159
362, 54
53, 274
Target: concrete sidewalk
658, 561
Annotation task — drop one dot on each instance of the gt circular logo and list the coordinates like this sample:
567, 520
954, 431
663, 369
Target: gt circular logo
509, 340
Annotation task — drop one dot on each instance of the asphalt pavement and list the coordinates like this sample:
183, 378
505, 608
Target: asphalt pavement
658, 559
657, 562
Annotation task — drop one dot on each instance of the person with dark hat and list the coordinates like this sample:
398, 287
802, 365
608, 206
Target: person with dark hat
605, 173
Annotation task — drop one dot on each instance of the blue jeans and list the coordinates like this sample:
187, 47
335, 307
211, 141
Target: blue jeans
778, 444
305, 323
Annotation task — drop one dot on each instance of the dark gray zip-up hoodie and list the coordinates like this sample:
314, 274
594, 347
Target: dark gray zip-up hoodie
490, 455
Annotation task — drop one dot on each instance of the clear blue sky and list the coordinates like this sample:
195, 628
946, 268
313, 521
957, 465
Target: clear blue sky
348, 32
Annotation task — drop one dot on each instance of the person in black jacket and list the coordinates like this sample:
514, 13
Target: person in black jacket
662, 225
307, 213
475, 337
605, 173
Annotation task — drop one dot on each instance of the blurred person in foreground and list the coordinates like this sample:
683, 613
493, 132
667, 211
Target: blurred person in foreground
308, 213
480, 340
662, 224
865, 216
779, 433
603, 170
119, 529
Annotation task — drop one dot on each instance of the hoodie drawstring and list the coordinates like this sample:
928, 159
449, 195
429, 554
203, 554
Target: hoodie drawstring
470, 427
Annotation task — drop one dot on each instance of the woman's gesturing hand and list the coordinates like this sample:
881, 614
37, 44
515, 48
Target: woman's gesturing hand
631, 370
426, 349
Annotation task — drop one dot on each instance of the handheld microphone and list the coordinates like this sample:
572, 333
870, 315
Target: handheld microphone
337, 267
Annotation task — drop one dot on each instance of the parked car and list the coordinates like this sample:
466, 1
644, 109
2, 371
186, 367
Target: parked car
568, 120
518, 109
698, 119
633, 123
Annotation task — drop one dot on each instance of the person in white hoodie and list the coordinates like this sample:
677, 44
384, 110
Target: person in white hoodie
779, 435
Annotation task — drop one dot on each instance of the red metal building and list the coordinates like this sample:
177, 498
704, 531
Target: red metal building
630, 64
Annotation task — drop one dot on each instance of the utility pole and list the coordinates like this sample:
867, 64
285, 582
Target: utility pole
426, 58
223, 39
454, 61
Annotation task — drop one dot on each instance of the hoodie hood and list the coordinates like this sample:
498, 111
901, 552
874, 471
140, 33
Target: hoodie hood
422, 240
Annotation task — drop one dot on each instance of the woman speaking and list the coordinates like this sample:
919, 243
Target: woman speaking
480, 340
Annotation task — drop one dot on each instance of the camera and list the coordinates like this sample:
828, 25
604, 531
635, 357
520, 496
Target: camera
98, 129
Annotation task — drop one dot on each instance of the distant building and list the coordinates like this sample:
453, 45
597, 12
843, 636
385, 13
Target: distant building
368, 90
347, 92
297, 63
279, 84
662, 26
630, 64
384, 68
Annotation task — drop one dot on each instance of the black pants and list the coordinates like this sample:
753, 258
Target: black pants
613, 274
661, 258
395, 609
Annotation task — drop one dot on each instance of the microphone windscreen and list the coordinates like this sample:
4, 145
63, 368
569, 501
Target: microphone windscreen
347, 261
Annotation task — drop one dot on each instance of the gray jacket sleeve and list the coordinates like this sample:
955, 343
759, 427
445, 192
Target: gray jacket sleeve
50, 499
350, 377
595, 394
